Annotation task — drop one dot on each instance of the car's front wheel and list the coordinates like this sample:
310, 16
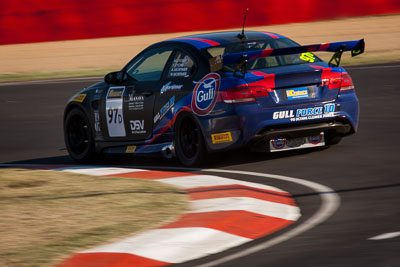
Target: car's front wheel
78, 136
189, 143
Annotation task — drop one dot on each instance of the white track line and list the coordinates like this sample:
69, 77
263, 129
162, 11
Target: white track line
97, 171
385, 236
267, 208
211, 180
330, 202
175, 245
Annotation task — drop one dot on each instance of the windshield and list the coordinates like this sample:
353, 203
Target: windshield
267, 62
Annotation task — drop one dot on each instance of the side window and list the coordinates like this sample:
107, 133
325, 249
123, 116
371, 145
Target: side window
149, 66
182, 65
270, 61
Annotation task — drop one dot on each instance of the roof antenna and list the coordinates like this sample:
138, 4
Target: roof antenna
241, 35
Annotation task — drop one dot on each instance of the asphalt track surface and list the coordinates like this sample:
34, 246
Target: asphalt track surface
364, 170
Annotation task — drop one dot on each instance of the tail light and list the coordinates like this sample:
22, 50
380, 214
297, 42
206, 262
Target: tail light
347, 83
243, 94
342, 82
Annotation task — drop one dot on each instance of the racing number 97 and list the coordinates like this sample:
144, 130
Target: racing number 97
113, 114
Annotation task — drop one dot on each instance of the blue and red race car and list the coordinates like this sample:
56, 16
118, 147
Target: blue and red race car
205, 93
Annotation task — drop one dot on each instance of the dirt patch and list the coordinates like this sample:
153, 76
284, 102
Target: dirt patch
381, 33
47, 215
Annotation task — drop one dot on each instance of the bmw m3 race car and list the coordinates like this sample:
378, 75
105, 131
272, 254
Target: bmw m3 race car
193, 95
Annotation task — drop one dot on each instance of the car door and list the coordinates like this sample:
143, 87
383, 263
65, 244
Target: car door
128, 108
177, 82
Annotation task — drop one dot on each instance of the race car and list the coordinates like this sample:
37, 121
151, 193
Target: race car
205, 93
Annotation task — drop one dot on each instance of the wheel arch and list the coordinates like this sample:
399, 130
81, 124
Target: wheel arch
73, 105
188, 112
89, 152
81, 107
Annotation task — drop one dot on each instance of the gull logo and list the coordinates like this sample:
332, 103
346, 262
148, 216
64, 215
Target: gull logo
209, 85
205, 94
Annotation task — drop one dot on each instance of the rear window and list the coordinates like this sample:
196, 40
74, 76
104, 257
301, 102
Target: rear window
262, 63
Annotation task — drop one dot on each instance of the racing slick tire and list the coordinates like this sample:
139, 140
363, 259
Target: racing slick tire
332, 139
78, 136
189, 143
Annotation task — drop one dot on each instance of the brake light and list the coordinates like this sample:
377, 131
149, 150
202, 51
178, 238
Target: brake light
347, 83
243, 94
334, 82
342, 82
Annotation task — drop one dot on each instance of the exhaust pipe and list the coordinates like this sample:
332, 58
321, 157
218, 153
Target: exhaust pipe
168, 151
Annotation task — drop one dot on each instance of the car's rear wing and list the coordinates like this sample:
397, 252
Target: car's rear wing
356, 48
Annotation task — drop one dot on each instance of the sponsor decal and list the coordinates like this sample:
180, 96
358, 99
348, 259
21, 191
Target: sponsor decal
164, 109
316, 139
309, 57
97, 128
135, 102
168, 87
130, 149
278, 143
180, 67
283, 144
115, 92
205, 94
179, 72
303, 114
137, 126
79, 98
114, 113
97, 121
286, 114
297, 93
221, 138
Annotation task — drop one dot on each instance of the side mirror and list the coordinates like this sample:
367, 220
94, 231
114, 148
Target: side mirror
113, 78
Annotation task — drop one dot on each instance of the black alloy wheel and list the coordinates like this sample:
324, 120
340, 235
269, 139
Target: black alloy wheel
78, 136
189, 143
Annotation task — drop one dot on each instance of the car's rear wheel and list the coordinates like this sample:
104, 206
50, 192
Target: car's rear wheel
189, 142
78, 136
332, 139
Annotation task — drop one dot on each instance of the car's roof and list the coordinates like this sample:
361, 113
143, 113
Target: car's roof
206, 40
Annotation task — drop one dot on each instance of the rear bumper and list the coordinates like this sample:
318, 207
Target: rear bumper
250, 123
338, 127
260, 141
